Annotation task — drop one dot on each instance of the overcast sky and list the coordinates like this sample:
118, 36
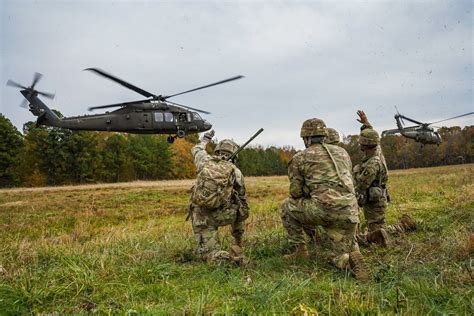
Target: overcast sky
324, 59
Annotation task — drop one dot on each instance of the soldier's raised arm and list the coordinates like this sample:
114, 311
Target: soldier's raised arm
363, 120
199, 151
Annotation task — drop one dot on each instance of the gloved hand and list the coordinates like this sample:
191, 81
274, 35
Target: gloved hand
208, 136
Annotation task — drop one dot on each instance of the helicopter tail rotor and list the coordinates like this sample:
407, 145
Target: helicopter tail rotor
14, 84
31, 89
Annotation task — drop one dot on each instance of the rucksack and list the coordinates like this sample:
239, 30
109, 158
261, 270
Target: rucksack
214, 184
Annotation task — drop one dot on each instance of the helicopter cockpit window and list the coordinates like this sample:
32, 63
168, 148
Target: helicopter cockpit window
168, 117
158, 117
188, 115
196, 117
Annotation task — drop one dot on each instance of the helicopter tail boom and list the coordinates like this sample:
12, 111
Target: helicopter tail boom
390, 132
45, 115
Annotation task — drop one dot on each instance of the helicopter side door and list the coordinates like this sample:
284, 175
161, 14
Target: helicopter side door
145, 120
164, 122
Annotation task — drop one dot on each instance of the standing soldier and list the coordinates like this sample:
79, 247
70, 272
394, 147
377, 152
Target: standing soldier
218, 199
322, 193
371, 178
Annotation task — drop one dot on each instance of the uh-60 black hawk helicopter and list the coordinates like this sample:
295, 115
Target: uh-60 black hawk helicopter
421, 133
154, 115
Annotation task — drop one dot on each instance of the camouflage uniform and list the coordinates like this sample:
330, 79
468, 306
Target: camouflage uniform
372, 176
322, 193
206, 222
332, 137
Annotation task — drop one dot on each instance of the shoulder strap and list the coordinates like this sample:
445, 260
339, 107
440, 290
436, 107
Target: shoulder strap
335, 165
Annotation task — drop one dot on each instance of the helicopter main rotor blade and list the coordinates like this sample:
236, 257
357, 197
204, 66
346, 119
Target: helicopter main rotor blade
188, 107
203, 87
411, 120
12, 83
122, 82
123, 104
470, 113
37, 76
47, 95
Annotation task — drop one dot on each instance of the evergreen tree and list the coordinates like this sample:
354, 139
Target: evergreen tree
83, 157
150, 156
114, 158
43, 159
11, 143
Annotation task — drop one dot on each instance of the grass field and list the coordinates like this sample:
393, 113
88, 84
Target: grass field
127, 248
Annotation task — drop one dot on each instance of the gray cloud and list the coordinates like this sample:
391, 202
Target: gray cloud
301, 60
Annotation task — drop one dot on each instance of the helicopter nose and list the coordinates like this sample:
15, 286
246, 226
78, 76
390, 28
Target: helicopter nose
207, 126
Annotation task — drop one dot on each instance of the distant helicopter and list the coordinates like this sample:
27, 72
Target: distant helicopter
421, 133
155, 115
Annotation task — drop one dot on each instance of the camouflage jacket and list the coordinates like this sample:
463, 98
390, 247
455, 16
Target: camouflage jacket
323, 172
201, 157
372, 172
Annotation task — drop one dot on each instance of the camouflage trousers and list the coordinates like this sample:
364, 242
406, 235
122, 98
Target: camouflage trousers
374, 214
338, 233
205, 227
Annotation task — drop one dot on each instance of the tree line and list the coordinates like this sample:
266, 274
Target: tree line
44, 155
54, 156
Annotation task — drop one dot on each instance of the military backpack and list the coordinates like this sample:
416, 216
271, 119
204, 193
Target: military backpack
214, 184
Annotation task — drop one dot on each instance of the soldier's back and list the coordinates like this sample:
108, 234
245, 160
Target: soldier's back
326, 172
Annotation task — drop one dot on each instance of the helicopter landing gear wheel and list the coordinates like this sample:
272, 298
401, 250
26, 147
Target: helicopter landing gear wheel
170, 139
181, 133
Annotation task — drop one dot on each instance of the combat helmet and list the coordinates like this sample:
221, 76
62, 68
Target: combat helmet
332, 136
226, 147
313, 127
369, 137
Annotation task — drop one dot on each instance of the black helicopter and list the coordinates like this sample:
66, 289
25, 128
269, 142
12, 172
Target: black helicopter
154, 115
421, 133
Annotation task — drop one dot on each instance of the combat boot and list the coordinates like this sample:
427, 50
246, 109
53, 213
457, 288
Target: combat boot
237, 255
300, 252
379, 236
238, 241
407, 223
359, 268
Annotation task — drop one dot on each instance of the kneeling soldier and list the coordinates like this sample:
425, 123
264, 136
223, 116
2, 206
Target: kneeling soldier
371, 178
322, 193
218, 199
